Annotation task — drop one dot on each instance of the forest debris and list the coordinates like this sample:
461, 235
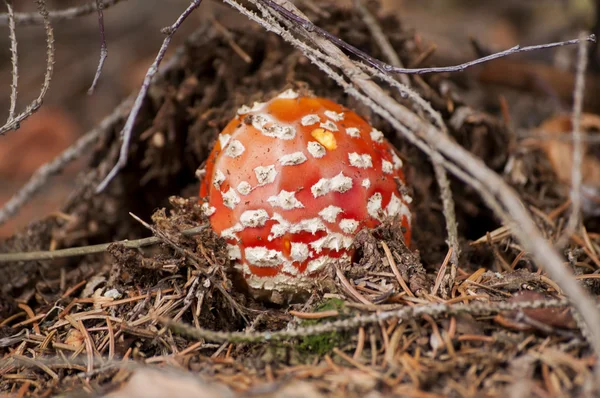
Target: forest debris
554, 139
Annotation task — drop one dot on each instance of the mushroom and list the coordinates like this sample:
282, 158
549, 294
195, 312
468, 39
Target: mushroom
291, 181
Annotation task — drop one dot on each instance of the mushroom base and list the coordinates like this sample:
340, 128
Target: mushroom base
280, 291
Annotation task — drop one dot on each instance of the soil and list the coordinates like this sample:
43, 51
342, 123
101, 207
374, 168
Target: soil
111, 307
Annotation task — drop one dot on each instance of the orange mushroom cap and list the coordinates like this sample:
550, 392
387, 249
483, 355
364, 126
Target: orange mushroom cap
289, 184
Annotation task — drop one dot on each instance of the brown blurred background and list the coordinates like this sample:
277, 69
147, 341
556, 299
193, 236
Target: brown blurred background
133, 37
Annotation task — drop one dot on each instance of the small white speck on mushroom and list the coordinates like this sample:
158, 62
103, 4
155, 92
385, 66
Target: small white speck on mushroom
288, 94
231, 233
279, 130
348, 225
289, 268
230, 199
218, 178
329, 125
340, 183
336, 117
244, 109
234, 149
376, 136
316, 150
208, 210
244, 188
321, 187
311, 225
318, 264
366, 183
262, 257
292, 159
299, 251
224, 139
279, 229
353, 132
234, 252
330, 213
361, 161
387, 167
374, 206
397, 161
309, 120
286, 200
332, 241
265, 174
394, 206
254, 218
259, 121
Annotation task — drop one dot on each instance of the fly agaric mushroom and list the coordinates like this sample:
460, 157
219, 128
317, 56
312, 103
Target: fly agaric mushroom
291, 181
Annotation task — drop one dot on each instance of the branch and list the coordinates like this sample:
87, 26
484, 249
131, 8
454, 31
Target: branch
69, 13
137, 105
310, 27
87, 250
14, 59
403, 314
103, 49
576, 176
14, 123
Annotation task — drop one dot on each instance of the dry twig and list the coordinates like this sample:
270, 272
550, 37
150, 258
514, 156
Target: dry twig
14, 59
69, 13
137, 105
406, 313
576, 175
14, 122
103, 48
87, 250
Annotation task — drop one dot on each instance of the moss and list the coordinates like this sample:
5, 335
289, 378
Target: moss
323, 343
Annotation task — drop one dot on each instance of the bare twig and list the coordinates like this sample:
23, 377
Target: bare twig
14, 59
128, 128
69, 13
41, 177
576, 176
381, 39
14, 123
310, 27
87, 250
491, 186
103, 48
406, 313
440, 172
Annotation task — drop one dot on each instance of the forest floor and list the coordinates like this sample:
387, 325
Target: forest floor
111, 323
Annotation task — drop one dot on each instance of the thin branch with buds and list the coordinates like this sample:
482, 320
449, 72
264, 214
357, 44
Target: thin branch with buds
576, 176
405, 313
88, 250
310, 27
103, 49
14, 122
14, 59
60, 15
137, 105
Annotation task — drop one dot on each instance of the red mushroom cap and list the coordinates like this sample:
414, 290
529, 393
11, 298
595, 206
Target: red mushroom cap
290, 182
